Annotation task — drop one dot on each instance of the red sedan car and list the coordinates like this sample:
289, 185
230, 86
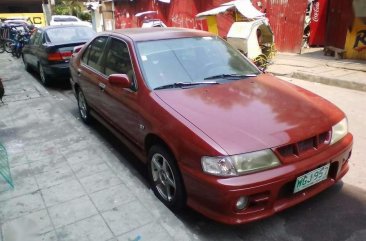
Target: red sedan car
216, 134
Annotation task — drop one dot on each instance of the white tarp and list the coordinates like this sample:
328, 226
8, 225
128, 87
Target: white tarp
145, 13
245, 7
214, 11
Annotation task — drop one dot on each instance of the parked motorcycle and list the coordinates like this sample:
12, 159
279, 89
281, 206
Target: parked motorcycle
21, 39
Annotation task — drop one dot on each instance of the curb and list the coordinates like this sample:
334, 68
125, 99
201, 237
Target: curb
329, 81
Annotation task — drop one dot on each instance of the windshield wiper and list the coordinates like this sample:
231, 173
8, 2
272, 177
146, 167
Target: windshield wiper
185, 84
230, 76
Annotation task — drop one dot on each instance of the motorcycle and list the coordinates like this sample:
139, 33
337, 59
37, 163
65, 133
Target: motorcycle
21, 38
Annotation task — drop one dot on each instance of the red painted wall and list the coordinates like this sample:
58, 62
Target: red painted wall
340, 19
286, 17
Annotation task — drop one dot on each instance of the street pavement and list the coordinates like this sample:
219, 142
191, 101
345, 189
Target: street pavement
78, 182
314, 66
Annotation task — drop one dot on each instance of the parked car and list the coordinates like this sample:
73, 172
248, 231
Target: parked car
68, 20
233, 143
50, 48
153, 23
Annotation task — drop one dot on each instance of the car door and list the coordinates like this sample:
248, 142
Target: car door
121, 105
91, 72
30, 52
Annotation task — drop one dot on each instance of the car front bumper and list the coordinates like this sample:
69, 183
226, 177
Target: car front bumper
269, 191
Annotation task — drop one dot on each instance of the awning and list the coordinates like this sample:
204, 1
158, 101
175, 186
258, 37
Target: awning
245, 7
145, 13
214, 11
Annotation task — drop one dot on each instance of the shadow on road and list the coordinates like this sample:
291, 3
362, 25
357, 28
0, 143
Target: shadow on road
337, 214
58, 84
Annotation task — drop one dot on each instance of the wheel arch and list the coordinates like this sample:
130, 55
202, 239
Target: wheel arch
152, 139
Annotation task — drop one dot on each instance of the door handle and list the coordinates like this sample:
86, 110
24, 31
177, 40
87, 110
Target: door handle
101, 86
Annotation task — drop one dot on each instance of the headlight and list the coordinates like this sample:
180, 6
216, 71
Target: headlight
239, 164
339, 131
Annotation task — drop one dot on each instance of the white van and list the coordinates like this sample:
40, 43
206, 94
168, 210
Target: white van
68, 20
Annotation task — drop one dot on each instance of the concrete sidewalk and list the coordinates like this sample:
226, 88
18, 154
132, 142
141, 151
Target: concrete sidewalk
314, 66
69, 184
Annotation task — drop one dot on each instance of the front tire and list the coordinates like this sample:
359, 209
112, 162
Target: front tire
2, 47
165, 178
8, 46
84, 110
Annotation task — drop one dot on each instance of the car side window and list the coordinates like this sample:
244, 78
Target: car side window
118, 60
93, 56
85, 56
37, 38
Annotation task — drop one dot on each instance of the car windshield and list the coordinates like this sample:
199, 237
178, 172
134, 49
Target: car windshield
70, 34
191, 60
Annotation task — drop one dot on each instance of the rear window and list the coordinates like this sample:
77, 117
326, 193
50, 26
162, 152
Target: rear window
65, 19
70, 34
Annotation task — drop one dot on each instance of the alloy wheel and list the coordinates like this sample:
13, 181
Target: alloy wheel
163, 177
42, 74
82, 106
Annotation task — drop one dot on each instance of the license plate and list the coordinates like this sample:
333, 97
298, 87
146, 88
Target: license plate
311, 178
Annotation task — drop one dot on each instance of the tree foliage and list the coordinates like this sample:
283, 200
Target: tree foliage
68, 7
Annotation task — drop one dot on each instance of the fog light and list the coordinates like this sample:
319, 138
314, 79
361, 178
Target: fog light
242, 203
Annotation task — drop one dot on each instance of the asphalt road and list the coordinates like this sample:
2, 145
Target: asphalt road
337, 214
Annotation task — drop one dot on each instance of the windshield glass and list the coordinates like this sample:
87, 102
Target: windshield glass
187, 60
70, 34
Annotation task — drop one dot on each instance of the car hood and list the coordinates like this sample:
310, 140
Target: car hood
254, 113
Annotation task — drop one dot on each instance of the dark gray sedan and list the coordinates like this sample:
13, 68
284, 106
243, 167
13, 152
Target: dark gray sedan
50, 49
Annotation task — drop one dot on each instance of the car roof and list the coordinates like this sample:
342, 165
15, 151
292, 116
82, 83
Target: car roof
146, 34
15, 20
63, 16
62, 26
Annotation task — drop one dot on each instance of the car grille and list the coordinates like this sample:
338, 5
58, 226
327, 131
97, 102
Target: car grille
305, 146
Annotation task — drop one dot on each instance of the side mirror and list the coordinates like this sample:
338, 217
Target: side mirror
119, 80
77, 49
262, 69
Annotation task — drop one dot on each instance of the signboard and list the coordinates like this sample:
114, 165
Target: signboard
37, 19
318, 23
356, 41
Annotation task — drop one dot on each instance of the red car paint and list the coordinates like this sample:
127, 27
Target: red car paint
216, 120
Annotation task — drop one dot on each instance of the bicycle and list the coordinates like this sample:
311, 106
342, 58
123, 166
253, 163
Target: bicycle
8, 34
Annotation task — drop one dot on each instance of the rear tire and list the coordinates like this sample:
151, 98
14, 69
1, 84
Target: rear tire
18, 53
84, 110
165, 178
44, 77
26, 65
